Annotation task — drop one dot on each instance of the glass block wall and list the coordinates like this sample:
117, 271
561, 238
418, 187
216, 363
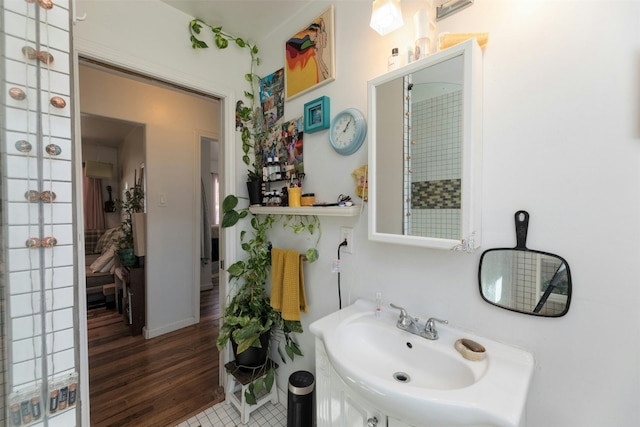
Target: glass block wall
38, 267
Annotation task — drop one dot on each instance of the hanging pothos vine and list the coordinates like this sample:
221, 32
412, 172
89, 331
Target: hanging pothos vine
253, 131
248, 313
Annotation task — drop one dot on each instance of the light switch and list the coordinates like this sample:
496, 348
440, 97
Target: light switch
162, 201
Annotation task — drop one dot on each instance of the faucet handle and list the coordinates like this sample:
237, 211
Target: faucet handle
404, 320
430, 331
403, 312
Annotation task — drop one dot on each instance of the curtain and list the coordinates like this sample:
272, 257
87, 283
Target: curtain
92, 202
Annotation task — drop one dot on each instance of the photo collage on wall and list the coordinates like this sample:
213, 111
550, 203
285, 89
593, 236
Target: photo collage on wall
284, 138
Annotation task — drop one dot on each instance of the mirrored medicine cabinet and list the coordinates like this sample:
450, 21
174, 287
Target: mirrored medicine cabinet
425, 148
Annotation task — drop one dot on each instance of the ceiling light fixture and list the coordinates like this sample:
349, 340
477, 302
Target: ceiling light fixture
386, 16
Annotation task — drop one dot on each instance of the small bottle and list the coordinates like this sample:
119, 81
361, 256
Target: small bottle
378, 304
394, 60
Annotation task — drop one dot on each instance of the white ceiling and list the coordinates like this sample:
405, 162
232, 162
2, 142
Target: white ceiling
248, 19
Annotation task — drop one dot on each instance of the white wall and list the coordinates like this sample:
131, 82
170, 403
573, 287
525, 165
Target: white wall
560, 140
561, 135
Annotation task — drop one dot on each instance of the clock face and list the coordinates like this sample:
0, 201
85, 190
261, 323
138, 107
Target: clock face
348, 130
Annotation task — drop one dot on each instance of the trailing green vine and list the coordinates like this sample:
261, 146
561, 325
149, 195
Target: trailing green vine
252, 122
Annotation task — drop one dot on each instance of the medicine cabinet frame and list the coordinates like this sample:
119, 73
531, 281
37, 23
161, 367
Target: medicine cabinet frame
471, 156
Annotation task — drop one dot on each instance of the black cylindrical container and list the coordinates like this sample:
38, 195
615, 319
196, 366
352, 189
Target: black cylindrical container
300, 407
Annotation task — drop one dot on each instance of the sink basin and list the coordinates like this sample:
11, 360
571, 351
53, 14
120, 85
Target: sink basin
420, 381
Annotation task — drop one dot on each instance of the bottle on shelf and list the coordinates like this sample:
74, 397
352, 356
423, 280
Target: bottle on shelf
394, 60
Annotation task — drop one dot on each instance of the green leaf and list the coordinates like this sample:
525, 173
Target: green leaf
236, 269
195, 26
295, 348
289, 351
312, 255
229, 203
229, 219
249, 396
282, 357
240, 42
270, 378
221, 42
216, 30
254, 50
247, 343
248, 77
258, 385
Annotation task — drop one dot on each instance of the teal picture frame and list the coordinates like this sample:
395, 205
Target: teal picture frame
316, 114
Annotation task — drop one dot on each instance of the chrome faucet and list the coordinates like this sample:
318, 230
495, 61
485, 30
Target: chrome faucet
412, 324
430, 331
406, 322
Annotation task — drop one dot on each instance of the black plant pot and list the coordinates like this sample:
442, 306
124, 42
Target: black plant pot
253, 357
255, 192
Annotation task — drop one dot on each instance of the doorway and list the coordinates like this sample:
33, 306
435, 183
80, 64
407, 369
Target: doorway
172, 171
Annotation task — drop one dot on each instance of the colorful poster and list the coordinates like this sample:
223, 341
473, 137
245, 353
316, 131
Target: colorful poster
309, 56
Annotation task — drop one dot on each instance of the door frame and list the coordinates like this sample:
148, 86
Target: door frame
227, 184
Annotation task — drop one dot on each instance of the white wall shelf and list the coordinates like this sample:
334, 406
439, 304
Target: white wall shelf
307, 210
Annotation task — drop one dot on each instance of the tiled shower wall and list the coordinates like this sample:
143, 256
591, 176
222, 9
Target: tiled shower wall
436, 159
38, 269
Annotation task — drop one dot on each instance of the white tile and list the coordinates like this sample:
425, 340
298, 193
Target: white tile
62, 361
22, 167
59, 320
61, 340
17, 235
25, 327
22, 259
60, 277
20, 6
21, 72
19, 34
18, 120
56, 169
56, 81
58, 256
26, 349
21, 282
63, 419
23, 213
54, 38
59, 299
26, 372
57, 126
57, 17
24, 304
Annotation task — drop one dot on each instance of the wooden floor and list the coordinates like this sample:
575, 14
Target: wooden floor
155, 382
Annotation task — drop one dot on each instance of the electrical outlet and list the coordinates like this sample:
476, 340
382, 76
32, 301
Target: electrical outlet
347, 233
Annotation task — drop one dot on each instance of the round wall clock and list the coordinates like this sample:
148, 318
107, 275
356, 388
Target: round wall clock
347, 131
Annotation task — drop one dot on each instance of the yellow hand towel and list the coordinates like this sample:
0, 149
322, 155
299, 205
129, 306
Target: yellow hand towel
287, 283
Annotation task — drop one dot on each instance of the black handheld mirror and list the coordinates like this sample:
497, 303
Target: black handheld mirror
525, 280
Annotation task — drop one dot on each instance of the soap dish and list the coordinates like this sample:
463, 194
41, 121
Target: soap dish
470, 349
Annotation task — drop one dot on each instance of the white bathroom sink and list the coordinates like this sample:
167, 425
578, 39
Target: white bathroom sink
425, 382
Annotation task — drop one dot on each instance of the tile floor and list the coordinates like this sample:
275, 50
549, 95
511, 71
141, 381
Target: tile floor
223, 415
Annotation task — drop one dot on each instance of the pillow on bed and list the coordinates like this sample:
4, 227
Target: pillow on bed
106, 240
104, 262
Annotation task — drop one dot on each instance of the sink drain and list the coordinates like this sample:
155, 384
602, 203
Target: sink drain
402, 377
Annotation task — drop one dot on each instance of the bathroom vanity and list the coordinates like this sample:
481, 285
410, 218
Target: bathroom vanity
369, 372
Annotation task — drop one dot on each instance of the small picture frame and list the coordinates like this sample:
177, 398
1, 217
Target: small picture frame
316, 115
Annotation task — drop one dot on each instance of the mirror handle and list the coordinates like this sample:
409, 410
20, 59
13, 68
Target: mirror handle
522, 226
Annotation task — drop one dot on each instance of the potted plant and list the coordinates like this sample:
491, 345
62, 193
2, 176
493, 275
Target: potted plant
132, 202
249, 319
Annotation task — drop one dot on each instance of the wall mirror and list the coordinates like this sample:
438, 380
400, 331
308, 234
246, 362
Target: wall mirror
425, 134
525, 280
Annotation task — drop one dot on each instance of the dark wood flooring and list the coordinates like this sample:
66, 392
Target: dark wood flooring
157, 382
